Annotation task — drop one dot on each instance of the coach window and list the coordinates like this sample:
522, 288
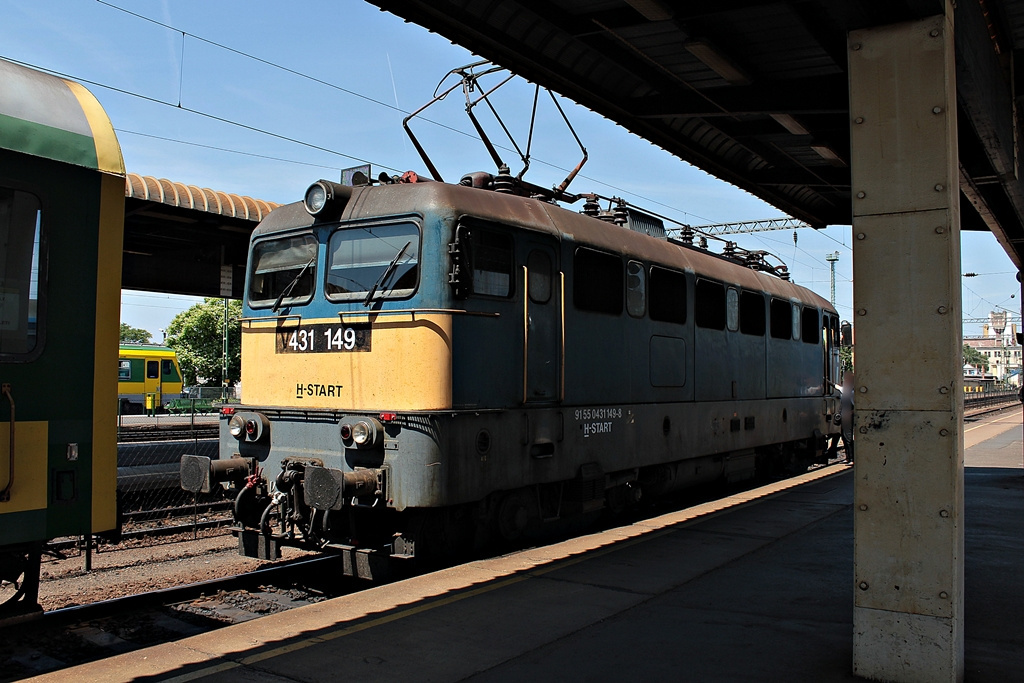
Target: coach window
810, 328
373, 261
597, 282
781, 319
282, 268
168, 371
636, 289
709, 301
752, 313
538, 265
668, 295
20, 224
491, 267
152, 369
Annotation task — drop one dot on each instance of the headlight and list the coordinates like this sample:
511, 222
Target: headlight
361, 433
249, 427
236, 426
325, 198
316, 198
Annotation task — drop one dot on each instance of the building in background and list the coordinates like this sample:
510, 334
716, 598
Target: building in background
998, 343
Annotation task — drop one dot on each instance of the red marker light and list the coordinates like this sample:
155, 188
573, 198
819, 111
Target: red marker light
388, 417
346, 432
250, 427
227, 410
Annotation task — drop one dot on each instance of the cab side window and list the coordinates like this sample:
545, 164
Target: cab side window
810, 328
710, 305
491, 257
752, 313
20, 264
538, 265
597, 282
781, 319
668, 295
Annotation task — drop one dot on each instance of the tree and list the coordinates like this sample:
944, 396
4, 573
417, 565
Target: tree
846, 359
197, 335
134, 335
975, 357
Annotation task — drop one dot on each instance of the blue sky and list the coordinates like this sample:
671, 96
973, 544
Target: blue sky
186, 107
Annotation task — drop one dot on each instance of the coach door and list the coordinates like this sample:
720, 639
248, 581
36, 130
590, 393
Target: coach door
543, 300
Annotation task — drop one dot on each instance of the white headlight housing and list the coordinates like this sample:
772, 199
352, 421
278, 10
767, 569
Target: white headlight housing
325, 199
316, 198
249, 427
236, 426
362, 433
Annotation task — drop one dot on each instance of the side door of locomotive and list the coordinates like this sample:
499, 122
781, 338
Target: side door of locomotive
543, 302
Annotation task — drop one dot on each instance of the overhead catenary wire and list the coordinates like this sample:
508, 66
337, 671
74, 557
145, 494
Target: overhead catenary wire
375, 101
196, 111
394, 107
223, 149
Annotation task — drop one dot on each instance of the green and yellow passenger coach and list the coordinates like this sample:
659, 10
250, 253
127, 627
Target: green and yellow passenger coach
147, 376
61, 222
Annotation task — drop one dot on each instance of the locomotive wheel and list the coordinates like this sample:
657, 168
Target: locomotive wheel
513, 515
19, 580
438, 536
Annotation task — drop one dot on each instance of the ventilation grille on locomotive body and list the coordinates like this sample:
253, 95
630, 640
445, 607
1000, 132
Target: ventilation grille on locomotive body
646, 224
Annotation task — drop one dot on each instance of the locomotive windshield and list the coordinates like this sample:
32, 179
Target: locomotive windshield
374, 261
283, 272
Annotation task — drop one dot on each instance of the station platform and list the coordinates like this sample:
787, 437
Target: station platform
755, 587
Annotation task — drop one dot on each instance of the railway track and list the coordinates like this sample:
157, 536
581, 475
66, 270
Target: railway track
74, 635
171, 432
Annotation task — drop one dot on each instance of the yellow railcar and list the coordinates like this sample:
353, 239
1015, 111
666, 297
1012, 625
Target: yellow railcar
146, 376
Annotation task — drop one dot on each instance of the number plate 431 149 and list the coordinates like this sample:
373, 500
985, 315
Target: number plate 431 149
323, 338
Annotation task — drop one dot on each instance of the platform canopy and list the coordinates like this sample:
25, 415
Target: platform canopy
185, 239
755, 93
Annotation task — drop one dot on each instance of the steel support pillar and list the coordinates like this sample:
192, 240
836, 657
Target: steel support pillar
908, 496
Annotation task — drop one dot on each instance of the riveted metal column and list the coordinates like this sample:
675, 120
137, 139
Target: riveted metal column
908, 496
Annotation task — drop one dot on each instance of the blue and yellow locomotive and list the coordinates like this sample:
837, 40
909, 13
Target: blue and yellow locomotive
61, 217
427, 364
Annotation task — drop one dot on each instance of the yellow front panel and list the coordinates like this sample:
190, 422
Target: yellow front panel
30, 465
409, 367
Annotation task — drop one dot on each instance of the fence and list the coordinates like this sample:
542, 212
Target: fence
149, 453
989, 398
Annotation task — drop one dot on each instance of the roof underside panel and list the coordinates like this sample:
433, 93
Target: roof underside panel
754, 93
